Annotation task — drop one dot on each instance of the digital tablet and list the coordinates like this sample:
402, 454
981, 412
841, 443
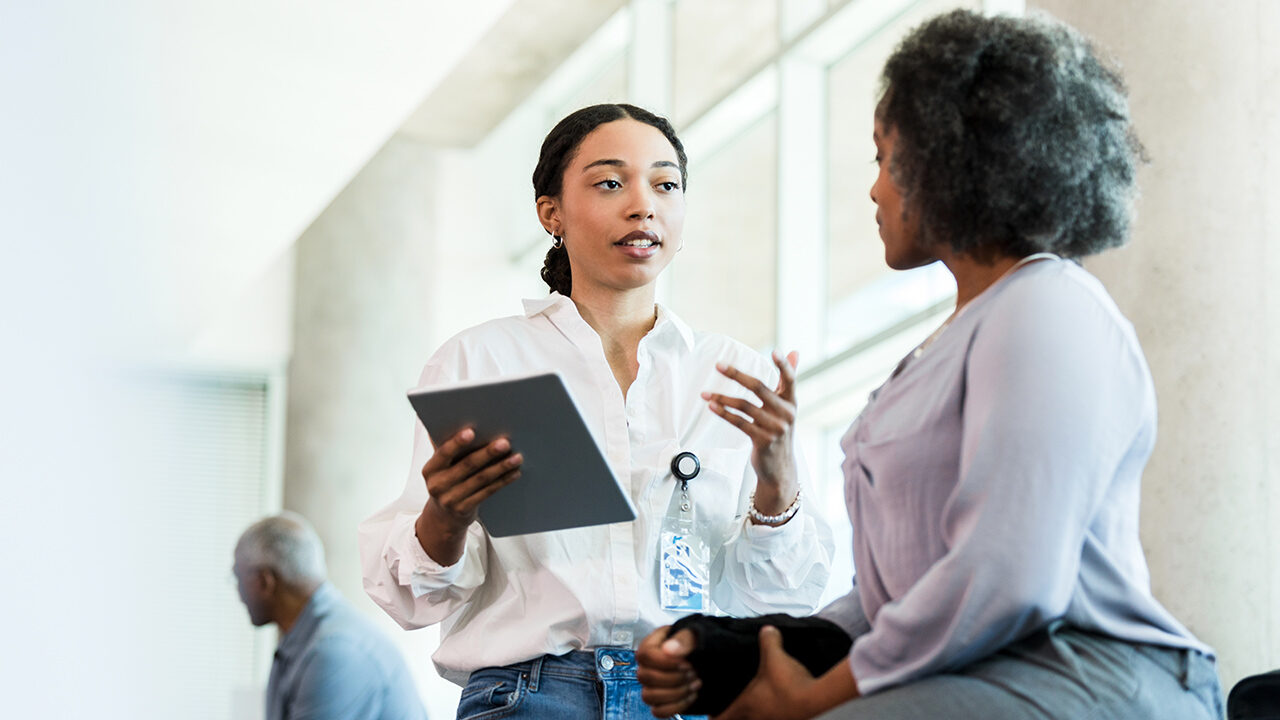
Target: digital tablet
565, 481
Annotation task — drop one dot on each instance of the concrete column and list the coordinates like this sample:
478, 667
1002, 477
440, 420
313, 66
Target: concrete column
362, 291
802, 206
1199, 282
415, 248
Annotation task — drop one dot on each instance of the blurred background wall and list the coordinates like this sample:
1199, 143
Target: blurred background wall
234, 232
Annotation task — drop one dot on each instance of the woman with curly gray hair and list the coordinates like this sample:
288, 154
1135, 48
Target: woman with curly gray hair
993, 479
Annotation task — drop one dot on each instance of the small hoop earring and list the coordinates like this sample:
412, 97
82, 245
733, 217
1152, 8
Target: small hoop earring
557, 241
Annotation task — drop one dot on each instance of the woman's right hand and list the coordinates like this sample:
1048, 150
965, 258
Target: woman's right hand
456, 485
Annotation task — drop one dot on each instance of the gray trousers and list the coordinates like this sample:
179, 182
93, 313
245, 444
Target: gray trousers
1057, 674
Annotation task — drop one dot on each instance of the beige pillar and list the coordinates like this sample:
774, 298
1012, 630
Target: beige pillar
1199, 281
359, 342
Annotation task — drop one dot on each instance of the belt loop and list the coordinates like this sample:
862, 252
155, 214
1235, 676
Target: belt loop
535, 673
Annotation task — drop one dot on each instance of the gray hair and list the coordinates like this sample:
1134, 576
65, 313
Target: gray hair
1014, 136
287, 544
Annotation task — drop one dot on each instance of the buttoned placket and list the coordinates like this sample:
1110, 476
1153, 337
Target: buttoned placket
617, 448
635, 406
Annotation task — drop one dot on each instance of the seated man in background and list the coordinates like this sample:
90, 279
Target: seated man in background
332, 662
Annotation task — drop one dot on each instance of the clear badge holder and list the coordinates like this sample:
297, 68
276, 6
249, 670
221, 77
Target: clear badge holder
685, 557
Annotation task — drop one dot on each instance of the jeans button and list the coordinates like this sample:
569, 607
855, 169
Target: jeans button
606, 663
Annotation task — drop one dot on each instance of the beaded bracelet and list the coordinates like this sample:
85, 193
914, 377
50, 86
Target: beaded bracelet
778, 519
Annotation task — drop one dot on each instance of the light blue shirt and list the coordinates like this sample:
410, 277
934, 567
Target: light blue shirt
334, 664
993, 484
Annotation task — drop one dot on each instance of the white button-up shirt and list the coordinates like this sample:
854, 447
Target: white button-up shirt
512, 599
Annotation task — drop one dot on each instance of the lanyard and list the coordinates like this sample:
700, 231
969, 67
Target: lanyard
684, 555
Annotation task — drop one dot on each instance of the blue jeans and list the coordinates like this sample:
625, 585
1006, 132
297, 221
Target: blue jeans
598, 683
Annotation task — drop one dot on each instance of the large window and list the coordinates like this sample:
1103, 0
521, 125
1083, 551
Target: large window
719, 282
774, 101
865, 297
208, 453
779, 139
717, 44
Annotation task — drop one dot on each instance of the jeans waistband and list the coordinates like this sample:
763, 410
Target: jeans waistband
604, 664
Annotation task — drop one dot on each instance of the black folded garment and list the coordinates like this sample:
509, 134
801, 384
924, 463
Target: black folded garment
726, 652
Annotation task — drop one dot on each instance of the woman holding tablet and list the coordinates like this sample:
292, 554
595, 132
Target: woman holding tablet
544, 625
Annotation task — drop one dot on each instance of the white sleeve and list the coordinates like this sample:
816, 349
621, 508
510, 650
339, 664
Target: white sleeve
760, 569
770, 570
398, 574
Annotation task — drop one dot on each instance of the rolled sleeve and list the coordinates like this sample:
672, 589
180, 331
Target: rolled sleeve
776, 569
413, 567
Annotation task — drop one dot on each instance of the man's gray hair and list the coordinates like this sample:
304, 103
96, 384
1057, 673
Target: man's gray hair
287, 544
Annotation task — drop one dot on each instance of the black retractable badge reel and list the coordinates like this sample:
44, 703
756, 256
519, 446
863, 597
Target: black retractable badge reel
685, 467
684, 556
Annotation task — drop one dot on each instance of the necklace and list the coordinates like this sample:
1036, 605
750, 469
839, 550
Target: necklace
951, 318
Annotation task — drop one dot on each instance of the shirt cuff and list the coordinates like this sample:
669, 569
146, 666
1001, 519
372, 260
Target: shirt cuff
414, 567
769, 538
870, 677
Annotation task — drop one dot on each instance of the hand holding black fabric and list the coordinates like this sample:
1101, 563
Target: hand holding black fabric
726, 652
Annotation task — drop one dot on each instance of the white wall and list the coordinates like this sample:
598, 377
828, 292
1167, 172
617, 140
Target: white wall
157, 161
187, 145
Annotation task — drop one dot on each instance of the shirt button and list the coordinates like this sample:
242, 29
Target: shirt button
622, 637
606, 663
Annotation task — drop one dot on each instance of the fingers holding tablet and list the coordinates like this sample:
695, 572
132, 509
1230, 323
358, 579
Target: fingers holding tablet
459, 478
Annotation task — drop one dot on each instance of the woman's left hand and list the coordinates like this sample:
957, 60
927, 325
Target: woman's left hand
770, 425
781, 690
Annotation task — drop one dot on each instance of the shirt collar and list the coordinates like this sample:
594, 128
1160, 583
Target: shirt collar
305, 626
669, 319
539, 306
555, 302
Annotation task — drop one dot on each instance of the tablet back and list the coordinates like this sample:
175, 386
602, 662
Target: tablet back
565, 481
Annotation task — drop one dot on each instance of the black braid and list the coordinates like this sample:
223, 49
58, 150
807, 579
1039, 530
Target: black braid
555, 270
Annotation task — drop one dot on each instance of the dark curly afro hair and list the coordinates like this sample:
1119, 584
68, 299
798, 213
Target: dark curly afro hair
1013, 137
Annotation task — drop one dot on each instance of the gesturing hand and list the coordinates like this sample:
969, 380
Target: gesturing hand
770, 425
456, 485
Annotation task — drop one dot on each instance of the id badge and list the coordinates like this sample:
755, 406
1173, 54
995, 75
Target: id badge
684, 556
